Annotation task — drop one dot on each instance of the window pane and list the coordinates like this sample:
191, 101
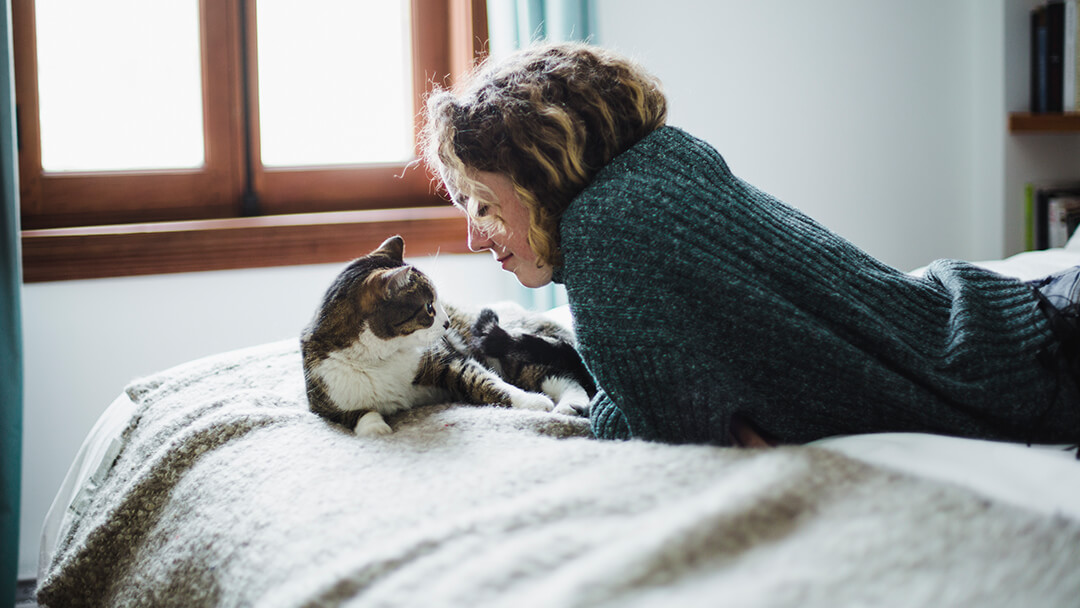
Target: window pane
335, 82
119, 84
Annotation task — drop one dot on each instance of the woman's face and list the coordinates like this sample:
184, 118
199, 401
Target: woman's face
510, 245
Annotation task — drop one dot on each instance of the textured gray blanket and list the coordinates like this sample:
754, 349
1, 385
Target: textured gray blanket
228, 492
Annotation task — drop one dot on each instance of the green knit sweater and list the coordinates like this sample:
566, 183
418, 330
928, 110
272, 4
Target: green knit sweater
696, 296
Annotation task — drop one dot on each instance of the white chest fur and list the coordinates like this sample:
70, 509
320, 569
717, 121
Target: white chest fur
377, 375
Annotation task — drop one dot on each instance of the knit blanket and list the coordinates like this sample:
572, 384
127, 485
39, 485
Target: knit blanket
228, 492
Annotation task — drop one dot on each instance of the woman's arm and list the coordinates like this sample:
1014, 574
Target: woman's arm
606, 419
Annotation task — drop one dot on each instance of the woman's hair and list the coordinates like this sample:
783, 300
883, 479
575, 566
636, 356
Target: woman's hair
548, 117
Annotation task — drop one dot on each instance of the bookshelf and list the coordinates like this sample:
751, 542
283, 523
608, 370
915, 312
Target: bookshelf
1038, 149
1027, 122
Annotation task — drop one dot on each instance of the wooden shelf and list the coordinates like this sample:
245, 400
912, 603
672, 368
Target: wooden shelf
1026, 122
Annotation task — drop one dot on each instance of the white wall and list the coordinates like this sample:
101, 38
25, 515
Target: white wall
856, 112
884, 120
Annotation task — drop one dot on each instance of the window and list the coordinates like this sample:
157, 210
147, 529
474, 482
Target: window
288, 130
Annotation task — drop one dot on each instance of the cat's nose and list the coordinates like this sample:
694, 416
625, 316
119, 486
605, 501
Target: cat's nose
446, 325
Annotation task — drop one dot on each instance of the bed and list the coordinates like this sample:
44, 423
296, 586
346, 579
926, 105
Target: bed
210, 484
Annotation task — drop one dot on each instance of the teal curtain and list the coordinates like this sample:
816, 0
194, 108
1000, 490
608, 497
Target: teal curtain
513, 24
11, 368
554, 20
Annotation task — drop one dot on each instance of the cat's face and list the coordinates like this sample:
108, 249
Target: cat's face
400, 302
380, 294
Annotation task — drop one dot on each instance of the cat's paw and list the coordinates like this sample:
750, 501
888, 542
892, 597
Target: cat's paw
533, 401
568, 394
372, 424
572, 407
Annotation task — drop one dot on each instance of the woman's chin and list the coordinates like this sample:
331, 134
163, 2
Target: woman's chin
533, 277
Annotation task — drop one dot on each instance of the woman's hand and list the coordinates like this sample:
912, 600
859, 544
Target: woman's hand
746, 436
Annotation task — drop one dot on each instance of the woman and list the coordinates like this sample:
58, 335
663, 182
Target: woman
707, 309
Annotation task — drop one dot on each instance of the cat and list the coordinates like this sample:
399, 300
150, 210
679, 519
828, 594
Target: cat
381, 342
536, 355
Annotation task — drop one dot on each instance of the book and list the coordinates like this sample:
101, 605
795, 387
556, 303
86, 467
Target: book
1055, 57
1029, 216
1069, 57
1054, 212
1063, 216
1038, 59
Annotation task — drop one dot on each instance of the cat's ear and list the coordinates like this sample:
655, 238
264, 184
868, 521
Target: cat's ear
388, 282
397, 278
382, 285
393, 247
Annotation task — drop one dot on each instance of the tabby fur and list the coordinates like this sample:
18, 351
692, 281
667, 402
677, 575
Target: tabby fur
381, 342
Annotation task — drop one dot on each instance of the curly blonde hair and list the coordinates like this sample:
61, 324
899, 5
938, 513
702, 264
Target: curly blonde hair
548, 117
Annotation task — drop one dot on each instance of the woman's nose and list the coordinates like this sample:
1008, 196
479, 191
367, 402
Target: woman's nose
478, 239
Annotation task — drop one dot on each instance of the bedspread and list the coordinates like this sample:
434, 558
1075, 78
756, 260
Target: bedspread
228, 492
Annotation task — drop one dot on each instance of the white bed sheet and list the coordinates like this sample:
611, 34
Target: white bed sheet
1045, 479
1042, 478
92, 461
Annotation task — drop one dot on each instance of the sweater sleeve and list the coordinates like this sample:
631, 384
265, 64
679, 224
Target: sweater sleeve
607, 421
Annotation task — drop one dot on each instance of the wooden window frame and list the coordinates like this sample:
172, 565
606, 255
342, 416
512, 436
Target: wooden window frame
152, 222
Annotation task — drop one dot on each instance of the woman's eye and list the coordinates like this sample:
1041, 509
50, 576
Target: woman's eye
482, 210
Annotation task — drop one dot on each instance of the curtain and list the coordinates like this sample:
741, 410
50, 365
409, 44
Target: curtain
11, 389
513, 24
